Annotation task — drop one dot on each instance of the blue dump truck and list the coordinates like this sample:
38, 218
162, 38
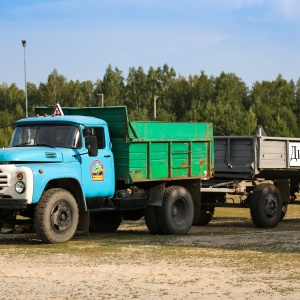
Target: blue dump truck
90, 168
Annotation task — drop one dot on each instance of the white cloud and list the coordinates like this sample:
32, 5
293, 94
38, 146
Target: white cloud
272, 9
287, 8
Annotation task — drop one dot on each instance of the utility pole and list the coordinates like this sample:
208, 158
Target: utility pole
102, 99
155, 98
26, 103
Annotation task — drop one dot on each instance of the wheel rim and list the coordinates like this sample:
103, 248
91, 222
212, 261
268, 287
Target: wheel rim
271, 206
61, 216
179, 211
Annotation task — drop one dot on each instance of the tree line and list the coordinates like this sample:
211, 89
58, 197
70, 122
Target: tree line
224, 100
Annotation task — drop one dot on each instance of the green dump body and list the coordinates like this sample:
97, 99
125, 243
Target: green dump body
153, 151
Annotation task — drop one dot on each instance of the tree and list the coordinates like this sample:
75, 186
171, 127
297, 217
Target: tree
73, 95
53, 91
33, 97
113, 87
136, 89
274, 104
225, 109
87, 91
202, 92
181, 95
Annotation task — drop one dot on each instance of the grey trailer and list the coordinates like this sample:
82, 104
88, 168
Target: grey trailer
261, 172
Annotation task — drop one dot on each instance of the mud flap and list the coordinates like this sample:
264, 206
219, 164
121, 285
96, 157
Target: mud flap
84, 222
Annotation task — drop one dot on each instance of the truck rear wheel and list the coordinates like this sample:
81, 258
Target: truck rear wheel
206, 215
151, 219
266, 206
176, 214
108, 221
56, 216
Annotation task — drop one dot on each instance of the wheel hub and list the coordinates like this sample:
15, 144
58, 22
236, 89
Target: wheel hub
179, 212
61, 217
271, 206
175, 211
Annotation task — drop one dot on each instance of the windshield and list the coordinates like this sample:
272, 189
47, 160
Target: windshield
67, 136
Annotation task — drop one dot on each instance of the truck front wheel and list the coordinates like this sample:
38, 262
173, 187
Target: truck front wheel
266, 206
56, 216
176, 214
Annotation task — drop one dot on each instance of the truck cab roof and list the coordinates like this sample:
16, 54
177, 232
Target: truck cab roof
84, 120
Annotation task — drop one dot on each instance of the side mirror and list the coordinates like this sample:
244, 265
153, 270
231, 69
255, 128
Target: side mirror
86, 132
92, 145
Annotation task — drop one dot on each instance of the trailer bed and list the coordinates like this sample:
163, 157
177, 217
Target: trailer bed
255, 156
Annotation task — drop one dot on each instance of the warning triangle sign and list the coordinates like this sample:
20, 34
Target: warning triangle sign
57, 110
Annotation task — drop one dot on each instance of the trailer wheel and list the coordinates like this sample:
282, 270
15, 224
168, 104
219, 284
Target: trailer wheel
108, 221
206, 215
56, 216
266, 206
151, 219
176, 214
283, 211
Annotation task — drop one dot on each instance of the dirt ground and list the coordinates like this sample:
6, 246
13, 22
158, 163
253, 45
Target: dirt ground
228, 259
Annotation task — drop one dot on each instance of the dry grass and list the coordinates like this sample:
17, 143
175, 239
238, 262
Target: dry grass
228, 259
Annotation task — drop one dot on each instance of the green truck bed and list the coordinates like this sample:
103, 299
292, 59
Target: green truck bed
146, 151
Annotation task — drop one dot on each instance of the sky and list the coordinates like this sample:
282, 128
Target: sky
255, 39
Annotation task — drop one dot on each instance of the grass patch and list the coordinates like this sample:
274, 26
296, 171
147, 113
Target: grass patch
230, 236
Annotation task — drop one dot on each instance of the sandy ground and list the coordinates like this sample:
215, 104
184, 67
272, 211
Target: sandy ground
217, 272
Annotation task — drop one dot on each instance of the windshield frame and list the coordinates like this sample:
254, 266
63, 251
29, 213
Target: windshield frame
52, 135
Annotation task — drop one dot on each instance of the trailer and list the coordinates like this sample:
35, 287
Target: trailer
263, 173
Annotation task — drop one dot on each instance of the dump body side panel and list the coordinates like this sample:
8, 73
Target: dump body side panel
169, 160
272, 154
235, 155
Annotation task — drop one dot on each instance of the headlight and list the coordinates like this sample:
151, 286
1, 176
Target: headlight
20, 187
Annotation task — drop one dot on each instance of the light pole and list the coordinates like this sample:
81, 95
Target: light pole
26, 105
102, 99
155, 98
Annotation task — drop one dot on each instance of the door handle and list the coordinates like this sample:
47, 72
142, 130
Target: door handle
107, 155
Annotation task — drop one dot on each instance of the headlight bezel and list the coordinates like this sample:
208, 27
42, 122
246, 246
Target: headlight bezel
20, 187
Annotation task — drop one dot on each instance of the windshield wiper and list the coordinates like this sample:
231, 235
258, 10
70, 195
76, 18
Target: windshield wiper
23, 144
51, 146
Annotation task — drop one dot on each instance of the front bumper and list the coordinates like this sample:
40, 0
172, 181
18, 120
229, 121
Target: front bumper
13, 204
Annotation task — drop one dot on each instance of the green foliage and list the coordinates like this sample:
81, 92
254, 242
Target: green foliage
276, 107
224, 100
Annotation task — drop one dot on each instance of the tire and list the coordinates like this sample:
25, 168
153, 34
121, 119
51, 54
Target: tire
283, 211
176, 214
56, 216
266, 206
206, 215
151, 219
108, 221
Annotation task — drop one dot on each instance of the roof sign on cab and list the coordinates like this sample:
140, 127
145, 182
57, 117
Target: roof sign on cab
57, 110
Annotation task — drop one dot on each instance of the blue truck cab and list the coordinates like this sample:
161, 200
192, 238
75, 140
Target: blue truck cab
56, 166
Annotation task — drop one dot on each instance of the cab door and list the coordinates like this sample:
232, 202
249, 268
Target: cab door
98, 176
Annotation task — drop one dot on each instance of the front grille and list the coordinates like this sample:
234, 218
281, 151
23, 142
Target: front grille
3, 180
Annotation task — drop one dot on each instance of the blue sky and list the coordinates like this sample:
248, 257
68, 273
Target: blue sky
255, 39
